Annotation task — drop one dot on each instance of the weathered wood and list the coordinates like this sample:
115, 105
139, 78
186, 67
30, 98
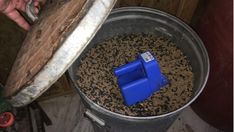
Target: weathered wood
42, 65
187, 9
43, 40
169, 6
183, 9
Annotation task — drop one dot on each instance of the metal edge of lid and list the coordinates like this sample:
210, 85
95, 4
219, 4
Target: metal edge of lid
66, 54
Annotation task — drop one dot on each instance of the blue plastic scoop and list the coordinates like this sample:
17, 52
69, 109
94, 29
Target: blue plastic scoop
139, 79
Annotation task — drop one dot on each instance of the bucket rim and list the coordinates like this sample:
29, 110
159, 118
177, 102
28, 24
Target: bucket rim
182, 24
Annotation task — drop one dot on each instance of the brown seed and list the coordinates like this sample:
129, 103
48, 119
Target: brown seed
97, 81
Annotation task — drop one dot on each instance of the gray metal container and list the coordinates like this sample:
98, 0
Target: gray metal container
135, 20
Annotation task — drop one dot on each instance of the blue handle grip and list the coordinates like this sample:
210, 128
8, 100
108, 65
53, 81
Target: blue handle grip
125, 69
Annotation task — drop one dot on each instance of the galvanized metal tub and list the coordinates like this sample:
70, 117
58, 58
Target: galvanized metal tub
135, 20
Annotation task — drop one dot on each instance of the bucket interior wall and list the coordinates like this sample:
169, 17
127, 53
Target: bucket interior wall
162, 25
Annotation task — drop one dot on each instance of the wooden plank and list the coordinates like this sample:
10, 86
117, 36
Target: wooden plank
169, 6
93, 16
187, 9
56, 22
183, 9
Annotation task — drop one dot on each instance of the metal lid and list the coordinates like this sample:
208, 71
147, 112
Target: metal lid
62, 32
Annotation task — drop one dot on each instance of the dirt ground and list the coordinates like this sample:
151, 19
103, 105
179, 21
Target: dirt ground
11, 38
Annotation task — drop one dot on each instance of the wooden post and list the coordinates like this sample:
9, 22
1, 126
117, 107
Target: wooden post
183, 9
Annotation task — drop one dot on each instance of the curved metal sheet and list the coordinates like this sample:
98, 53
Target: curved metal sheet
66, 54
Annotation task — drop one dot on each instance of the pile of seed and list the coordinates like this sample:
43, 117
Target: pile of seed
97, 81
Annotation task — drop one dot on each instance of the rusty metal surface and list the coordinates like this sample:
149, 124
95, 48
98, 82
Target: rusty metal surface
56, 21
73, 46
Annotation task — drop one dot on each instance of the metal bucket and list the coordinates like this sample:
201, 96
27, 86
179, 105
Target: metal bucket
135, 20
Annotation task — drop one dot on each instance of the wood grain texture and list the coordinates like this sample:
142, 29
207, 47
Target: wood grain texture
57, 20
183, 9
169, 6
186, 9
